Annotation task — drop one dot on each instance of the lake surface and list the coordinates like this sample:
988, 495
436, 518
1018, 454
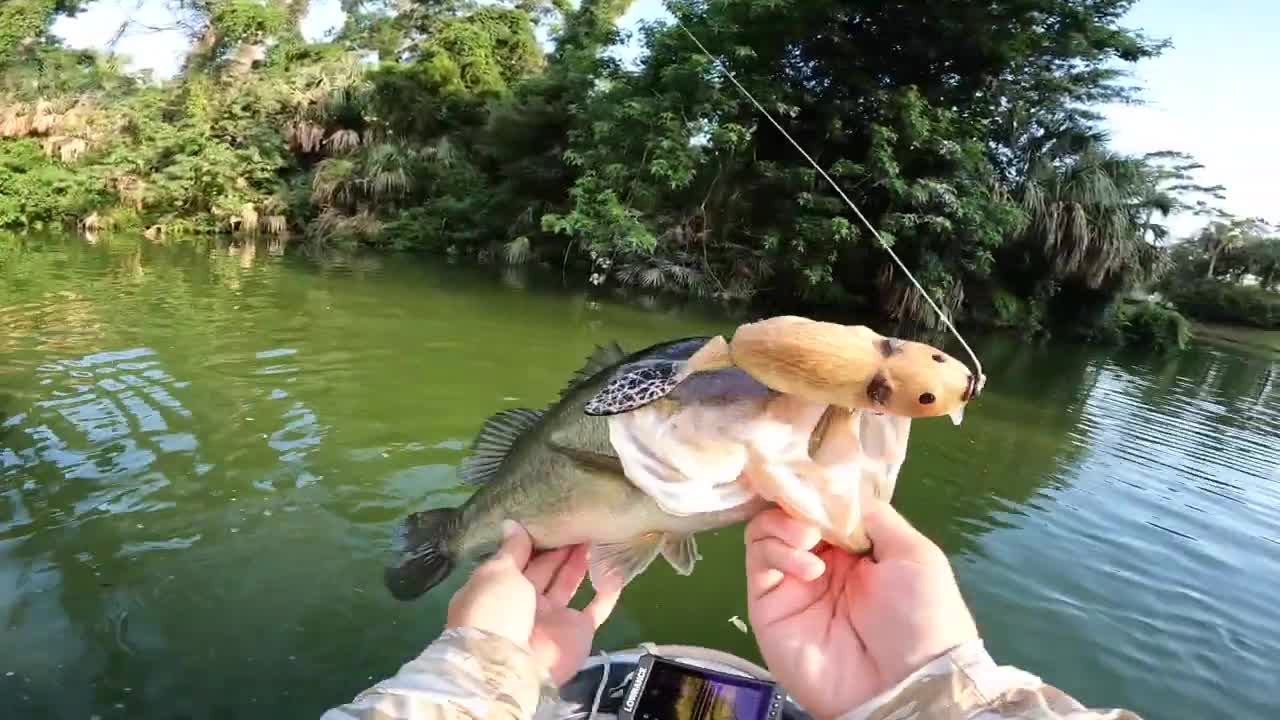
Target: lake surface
204, 448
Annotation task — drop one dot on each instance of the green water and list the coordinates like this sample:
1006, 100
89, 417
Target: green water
203, 449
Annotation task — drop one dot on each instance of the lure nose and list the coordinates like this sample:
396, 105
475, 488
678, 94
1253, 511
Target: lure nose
971, 388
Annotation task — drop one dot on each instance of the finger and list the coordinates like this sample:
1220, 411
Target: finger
773, 554
601, 606
892, 537
569, 578
772, 595
764, 578
542, 570
516, 547
776, 523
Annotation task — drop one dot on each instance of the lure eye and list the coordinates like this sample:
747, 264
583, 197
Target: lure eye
927, 399
937, 357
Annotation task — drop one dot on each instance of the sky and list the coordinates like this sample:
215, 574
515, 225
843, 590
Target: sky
1215, 93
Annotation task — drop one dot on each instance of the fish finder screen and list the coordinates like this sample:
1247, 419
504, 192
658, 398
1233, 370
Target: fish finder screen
674, 692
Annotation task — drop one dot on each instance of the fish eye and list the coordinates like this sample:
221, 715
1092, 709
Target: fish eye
927, 399
938, 358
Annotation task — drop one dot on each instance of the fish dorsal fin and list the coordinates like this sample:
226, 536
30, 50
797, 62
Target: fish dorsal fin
602, 357
496, 438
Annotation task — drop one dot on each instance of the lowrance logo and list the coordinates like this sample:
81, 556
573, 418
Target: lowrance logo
636, 686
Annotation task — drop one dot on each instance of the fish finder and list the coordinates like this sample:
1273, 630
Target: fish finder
664, 689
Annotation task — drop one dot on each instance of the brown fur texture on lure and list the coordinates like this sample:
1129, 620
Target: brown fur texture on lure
847, 366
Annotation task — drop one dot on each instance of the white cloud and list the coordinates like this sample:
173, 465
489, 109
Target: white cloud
162, 50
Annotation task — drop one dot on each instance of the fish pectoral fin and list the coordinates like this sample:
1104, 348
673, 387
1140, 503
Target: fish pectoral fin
498, 435
594, 460
636, 385
681, 551
612, 566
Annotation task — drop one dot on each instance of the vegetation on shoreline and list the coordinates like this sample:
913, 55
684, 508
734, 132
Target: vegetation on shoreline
967, 133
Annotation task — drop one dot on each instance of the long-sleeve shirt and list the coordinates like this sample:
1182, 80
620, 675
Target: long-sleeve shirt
467, 674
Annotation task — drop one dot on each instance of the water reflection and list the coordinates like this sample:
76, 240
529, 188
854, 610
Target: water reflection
204, 445
1014, 445
101, 471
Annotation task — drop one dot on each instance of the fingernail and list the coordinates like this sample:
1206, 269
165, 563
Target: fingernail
509, 529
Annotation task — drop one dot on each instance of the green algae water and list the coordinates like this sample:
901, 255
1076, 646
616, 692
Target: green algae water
204, 448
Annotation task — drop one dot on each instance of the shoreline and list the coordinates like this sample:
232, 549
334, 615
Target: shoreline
1237, 336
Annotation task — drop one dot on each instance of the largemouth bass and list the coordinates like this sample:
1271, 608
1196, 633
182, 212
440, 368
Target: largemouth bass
555, 472
713, 441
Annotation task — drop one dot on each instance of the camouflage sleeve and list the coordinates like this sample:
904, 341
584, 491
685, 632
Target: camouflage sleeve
466, 674
966, 684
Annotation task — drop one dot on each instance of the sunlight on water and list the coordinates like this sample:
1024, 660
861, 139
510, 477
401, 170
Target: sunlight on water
204, 447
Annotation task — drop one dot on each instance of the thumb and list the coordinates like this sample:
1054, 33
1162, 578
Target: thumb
893, 538
517, 545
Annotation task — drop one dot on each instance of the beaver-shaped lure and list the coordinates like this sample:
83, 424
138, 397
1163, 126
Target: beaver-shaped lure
812, 416
847, 366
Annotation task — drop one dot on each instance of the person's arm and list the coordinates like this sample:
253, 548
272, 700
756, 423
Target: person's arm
894, 622
966, 684
510, 640
465, 674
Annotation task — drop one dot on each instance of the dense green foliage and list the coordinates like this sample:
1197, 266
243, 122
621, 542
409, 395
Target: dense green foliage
1218, 301
1228, 273
966, 132
1144, 323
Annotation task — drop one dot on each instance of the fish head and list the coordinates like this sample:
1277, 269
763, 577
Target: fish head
918, 380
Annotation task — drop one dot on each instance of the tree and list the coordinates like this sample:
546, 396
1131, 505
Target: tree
24, 24
1219, 237
966, 132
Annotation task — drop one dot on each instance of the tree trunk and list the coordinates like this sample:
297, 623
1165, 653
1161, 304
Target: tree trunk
297, 12
250, 52
246, 55
1213, 260
201, 51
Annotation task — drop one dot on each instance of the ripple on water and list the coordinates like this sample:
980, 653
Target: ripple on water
105, 419
1158, 541
200, 471
147, 546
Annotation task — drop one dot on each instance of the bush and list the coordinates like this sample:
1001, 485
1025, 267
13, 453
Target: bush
1018, 313
1216, 301
38, 192
1141, 323
1152, 324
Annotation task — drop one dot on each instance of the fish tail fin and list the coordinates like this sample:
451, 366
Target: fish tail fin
425, 559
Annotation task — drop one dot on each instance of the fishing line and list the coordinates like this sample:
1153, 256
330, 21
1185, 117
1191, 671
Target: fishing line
981, 378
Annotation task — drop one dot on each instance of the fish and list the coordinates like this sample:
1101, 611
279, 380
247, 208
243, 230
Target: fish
555, 471
712, 451
720, 436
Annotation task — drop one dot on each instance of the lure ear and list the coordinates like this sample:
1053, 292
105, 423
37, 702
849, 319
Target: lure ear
879, 389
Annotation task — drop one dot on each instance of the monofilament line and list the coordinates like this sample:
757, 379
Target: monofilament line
982, 379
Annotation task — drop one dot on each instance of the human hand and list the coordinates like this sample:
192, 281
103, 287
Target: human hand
527, 602
836, 629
